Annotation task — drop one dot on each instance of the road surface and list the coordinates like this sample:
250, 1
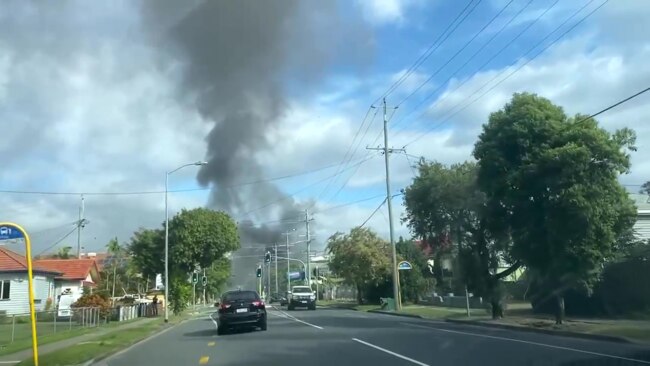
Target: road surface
333, 337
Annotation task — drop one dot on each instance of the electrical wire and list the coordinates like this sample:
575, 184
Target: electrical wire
448, 117
372, 214
300, 190
473, 56
127, 193
322, 193
476, 35
430, 50
614, 105
58, 241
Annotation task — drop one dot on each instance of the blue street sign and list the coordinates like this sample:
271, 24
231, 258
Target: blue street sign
8, 232
403, 265
297, 275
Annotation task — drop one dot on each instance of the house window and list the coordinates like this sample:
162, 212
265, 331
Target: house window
4, 289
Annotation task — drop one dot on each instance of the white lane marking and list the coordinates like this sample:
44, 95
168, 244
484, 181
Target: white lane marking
9, 362
529, 342
291, 317
390, 352
216, 325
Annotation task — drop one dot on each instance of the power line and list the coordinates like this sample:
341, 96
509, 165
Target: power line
302, 189
58, 241
479, 50
476, 35
429, 50
348, 161
447, 118
127, 193
372, 214
614, 105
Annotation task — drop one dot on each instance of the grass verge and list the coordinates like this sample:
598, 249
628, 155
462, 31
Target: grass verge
638, 331
26, 343
103, 345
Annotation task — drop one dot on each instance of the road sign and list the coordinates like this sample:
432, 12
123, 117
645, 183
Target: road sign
404, 265
10, 232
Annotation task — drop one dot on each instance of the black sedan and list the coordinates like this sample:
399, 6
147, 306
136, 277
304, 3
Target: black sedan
240, 309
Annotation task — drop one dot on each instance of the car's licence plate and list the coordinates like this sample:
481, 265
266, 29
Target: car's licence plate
304, 301
244, 310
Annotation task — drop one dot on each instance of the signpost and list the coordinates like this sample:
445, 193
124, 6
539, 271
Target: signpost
11, 231
404, 265
401, 266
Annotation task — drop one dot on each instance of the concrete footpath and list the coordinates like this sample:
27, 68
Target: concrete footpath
15, 358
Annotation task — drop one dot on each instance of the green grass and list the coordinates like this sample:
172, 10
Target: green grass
437, 312
26, 343
62, 333
102, 345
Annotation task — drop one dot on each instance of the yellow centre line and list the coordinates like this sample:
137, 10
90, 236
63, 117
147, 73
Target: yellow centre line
203, 360
210, 344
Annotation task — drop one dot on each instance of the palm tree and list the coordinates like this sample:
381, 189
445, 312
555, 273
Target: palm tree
114, 249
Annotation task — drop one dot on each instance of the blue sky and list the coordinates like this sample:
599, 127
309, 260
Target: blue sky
88, 104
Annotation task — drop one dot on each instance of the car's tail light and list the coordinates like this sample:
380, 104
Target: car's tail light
224, 306
258, 304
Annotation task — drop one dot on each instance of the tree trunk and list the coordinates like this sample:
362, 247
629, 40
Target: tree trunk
559, 310
359, 295
497, 308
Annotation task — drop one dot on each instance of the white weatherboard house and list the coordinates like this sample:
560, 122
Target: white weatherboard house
14, 293
642, 224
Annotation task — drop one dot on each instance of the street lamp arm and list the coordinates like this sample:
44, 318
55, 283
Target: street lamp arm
186, 165
293, 259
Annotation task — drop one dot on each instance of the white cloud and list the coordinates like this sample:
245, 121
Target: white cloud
385, 11
97, 123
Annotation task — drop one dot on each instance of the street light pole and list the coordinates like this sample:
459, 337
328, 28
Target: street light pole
198, 163
288, 265
275, 248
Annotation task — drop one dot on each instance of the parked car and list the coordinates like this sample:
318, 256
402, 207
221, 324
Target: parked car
240, 309
302, 296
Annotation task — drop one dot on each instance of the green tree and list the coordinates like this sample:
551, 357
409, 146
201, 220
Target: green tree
218, 274
199, 237
147, 248
63, 253
552, 180
416, 281
444, 206
361, 258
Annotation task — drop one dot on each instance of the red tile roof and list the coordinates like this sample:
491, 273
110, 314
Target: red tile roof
11, 261
72, 269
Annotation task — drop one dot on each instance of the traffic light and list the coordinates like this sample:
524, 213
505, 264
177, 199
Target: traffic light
267, 257
195, 277
259, 271
204, 280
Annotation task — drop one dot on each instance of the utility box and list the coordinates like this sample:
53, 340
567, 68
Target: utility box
387, 303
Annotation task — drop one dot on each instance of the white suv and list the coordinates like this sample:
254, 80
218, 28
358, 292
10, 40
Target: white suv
302, 296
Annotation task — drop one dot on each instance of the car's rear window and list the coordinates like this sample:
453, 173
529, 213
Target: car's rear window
240, 295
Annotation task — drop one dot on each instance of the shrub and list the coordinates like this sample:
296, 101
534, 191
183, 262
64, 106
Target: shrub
94, 301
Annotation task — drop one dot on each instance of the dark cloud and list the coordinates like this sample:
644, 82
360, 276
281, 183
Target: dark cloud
240, 61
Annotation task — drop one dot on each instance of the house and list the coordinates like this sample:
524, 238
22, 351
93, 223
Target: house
642, 224
75, 274
14, 287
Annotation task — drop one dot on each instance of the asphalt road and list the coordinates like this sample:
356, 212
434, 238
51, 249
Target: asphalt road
343, 337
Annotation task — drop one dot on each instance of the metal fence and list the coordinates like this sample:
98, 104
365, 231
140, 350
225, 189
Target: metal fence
15, 328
